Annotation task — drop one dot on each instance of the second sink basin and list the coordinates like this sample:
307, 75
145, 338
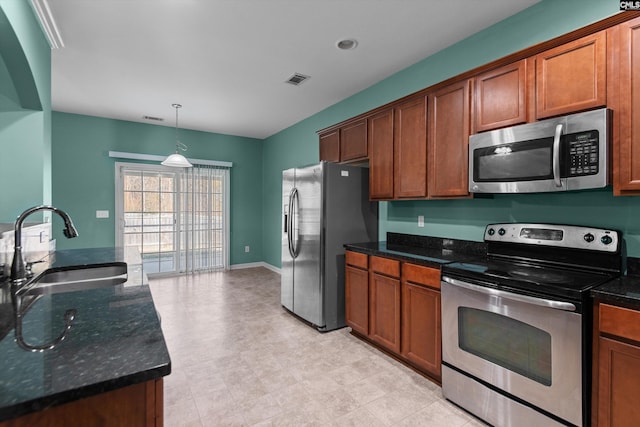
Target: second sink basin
77, 278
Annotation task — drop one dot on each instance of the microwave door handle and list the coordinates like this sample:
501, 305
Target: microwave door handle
556, 156
543, 302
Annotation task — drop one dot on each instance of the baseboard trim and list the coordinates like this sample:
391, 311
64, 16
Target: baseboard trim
254, 265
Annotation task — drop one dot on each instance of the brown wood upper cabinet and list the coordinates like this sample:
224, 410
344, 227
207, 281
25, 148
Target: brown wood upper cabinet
410, 149
571, 77
380, 134
449, 121
345, 144
626, 154
353, 141
330, 146
500, 97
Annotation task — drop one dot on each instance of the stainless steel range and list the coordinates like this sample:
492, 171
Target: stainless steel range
516, 324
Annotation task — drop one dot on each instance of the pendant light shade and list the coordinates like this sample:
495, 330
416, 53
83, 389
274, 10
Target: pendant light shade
177, 160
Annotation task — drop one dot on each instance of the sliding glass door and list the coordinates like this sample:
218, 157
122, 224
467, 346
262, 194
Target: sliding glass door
149, 217
178, 219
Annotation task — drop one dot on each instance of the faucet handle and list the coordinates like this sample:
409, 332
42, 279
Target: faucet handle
29, 266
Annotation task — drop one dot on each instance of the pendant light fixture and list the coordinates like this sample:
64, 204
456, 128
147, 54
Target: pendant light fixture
177, 160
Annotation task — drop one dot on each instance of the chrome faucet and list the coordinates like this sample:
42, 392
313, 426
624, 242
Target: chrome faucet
18, 269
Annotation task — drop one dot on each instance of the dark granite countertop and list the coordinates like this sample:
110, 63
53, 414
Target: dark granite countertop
115, 339
624, 291
435, 252
424, 250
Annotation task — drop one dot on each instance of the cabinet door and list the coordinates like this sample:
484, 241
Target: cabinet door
353, 141
572, 77
627, 151
449, 141
330, 146
421, 334
134, 405
357, 299
410, 149
618, 384
385, 311
380, 134
501, 97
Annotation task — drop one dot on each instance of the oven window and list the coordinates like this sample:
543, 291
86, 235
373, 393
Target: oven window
509, 343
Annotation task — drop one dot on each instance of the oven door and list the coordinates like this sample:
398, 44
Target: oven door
527, 347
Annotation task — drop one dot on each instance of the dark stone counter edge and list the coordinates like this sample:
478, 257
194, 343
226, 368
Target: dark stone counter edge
24, 408
396, 256
624, 292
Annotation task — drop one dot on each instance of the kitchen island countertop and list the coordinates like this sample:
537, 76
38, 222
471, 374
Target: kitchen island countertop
115, 339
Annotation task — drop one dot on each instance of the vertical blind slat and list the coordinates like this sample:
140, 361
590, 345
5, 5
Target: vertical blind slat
204, 193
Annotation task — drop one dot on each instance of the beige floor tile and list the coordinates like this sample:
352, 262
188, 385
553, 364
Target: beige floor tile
240, 359
359, 418
436, 414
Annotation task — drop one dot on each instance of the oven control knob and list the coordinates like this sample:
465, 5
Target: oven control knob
491, 232
606, 240
589, 238
502, 231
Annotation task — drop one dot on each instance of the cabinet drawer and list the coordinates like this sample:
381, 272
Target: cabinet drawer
421, 275
385, 266
620, 321
356, 259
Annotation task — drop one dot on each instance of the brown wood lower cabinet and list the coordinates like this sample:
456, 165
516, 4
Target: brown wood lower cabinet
385, 311
396, 306
616, 367
384, 303
421, 328
357, 292
137, 405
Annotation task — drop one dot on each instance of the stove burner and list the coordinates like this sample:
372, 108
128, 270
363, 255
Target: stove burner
546, 276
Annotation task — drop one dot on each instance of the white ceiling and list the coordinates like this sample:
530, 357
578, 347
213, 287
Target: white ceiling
226, 61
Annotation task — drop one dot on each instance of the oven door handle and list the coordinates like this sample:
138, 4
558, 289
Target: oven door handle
558, 305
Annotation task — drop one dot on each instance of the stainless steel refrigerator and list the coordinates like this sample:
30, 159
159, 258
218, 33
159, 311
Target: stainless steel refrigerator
324, 206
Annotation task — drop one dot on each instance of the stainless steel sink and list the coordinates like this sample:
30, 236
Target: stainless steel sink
55, 280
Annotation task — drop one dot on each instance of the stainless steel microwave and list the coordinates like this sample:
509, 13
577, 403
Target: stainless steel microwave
560, 154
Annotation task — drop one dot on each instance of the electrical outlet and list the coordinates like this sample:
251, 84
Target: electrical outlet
420, 220
247, 249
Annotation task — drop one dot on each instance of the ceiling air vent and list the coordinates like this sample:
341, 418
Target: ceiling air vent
296, 79
155, 119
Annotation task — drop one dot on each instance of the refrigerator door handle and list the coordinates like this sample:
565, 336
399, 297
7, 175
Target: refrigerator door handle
293, 200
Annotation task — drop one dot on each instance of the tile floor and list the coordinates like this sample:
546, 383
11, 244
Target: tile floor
239, 359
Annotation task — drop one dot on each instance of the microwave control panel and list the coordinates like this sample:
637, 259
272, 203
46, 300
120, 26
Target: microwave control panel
583, 152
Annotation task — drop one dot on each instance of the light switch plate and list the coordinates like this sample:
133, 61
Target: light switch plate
102, 214
420, 220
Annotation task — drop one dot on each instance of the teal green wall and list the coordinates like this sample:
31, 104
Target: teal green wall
78, 175
25, 111
84, 181
463, 219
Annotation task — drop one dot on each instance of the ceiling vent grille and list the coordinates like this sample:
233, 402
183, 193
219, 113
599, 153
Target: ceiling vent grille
296, 79
155, 119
